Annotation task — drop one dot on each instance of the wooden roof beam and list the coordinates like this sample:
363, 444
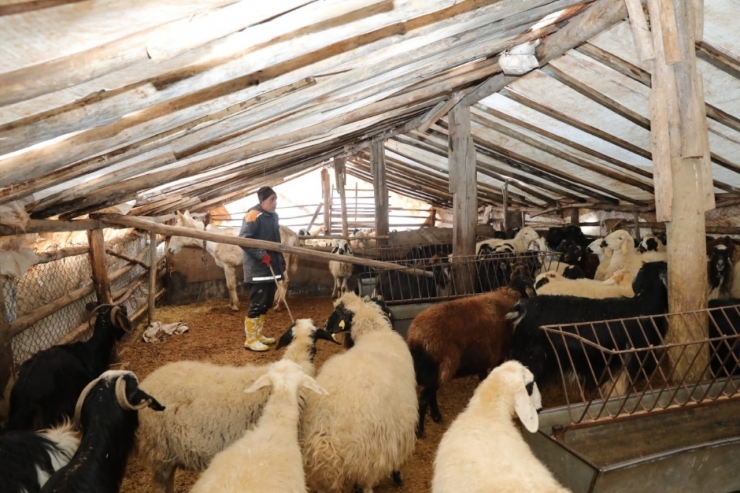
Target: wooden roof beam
478, 116
426, 143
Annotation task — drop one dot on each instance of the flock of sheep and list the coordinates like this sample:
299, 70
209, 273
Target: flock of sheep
284, 427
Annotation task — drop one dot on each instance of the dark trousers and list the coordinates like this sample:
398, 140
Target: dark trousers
261, 297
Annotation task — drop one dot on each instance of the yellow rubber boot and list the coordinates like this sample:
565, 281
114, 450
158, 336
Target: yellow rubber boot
260, 326
250, 329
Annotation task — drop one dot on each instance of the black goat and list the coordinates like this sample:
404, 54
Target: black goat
532, 348
720, 272
29, 458
393, 285
107, 412
725, 354
49, 382
556, 235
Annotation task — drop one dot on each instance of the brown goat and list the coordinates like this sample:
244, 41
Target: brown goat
461, 337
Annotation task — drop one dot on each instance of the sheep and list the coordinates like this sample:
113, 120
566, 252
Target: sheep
624, 255
618, 285
364, 430
107, 413
49, 383
725, 353
720, 273
604, 256
358, 239
651, 243
520, 242
267, 459
531, 346
483, 451
461, 337
340, 270
208, 410
29, 458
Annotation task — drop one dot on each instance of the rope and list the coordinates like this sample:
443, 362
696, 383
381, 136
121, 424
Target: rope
285, 298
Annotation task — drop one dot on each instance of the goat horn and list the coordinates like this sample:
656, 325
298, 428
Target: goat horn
113, 313
81, 401
123, 400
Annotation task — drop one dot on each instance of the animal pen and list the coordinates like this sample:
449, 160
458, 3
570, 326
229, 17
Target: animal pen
117, 114
657, 413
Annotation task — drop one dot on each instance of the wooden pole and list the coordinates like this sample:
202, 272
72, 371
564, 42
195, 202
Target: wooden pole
341, 177
464, 189
6, 354
152, 274
99, 266
326, 192
575, 216
380, 188
637, 225
151, 226
674, 121
505, 193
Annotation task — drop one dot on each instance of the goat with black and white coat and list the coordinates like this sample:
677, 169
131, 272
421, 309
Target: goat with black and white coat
107, 413
49, 382
531, 346
29, 458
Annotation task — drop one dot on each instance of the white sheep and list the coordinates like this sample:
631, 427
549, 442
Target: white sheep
365, 429
651, 243
625, 256
618, 285
520, 242
605, 257
206, 407
483, 451
340, 270
266, 459
358, 239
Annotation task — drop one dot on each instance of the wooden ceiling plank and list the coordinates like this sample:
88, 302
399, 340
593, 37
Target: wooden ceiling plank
478, 117
424, 142
159, 42
47, 160
490, 163
601, 15
557, 115
200, 81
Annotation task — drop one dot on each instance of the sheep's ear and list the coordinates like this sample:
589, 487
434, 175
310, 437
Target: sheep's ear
312, 384
263, 381
524, 405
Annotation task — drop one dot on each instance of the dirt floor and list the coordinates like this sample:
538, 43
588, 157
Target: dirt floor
216, 335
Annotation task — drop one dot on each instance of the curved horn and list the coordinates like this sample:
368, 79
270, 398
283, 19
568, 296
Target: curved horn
123, 400
112, 316
81, 401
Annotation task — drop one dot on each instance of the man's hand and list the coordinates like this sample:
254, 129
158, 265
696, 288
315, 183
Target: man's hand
266, 259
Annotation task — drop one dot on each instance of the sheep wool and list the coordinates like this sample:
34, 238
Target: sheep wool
483, 451
207, 408
364, 429
618, 285
266, 459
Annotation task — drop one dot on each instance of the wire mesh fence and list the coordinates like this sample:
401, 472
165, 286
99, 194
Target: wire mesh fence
47, 282
639, 365
441, 279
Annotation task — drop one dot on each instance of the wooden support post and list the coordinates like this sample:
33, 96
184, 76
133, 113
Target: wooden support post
464, 188
341, 177
99, 266
640, 30
681, 192
6, 355
380, 189
152, 274
637, 225
505, 193
315, 215
326, 193
575, 216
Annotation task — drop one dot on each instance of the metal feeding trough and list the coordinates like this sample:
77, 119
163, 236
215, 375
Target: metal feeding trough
686, 449
676, 429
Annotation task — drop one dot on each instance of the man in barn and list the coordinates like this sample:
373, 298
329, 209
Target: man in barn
262, 268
